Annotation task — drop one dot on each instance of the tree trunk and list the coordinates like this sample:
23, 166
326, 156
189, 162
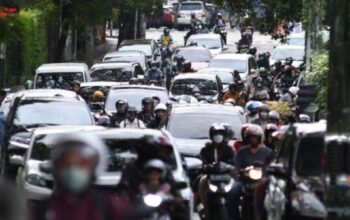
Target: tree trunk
126, 26
89, 45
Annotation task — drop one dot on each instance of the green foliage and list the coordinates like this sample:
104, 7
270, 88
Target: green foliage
319, 75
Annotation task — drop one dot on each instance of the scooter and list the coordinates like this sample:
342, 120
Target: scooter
223, 33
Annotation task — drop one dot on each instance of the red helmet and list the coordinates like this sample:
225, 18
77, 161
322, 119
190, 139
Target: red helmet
255, 130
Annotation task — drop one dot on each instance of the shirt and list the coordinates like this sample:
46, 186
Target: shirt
135, 124
245, 157
238, 97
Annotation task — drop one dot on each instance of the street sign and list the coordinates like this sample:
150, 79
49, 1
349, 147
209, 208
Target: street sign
8, 11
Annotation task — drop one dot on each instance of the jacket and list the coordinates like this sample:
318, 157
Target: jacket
225, 154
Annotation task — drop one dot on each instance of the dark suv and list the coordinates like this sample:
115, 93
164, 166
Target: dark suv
297, 177
31, 109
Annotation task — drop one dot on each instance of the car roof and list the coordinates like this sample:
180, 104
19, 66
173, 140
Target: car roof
232, 56
303, 129
125, 53
62, 67
100, 83
205, 108
193, 48
47, 93
112, 65
66, 129
196, 76
136, 41
287, 47
213, 70
128, 133
138, 87
205, 36
191, 2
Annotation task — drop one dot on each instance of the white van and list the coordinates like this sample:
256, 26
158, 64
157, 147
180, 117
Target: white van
60, 75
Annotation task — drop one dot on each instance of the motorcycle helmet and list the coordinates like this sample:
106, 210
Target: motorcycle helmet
289, 61
274, 117
255, 130
187, 64
252, 106
147, 100
244, 129
154, 65
179, 58
303, 118
252, 51
259, 82
193, 15
263, 71
121, 102
264, 108
217, 133
131, 112
98, 96
229, 133
293, 90
278, 64
156, 164
133, 81
270, 128
287, 70
232, 87
219, 15
156, 100
166, 31
160, 107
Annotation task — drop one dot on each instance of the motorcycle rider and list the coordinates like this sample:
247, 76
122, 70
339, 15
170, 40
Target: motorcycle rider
215, 151
154, 74
287, 77
161, 118
254, 152
193, 23
131, 120
290, 96
277, 69
121, 106
77, 160
259, 93
166, 39
263, 116
244, 139
147, 113
252, 51
263, 60
289, 61
267, 80
252, 108
269, 130
188, 67
274, 118
178, 67
76, 87
234, 93
220, 23
97, 103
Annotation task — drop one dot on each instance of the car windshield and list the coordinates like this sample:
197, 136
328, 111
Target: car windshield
225, 77
194, 55
146, 48
123, 152
111, 74
297, 41
214, 43
191, 7
186, 86
198, 124
282, 54
133, 96
57, 80
52, 113
310, 155
239, 65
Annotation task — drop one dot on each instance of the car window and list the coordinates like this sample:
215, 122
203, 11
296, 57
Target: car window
190, 6
239, 65
283, 53
57, 80
52, 112
111, 74
309, 156
198, 124
186, 86
194, 55
211, 43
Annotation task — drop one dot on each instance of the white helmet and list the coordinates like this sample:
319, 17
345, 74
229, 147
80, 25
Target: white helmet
156, 164
160, 106
293, 90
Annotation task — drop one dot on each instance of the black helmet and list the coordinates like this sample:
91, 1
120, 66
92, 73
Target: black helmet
229, 133
270, 128
193, 15
121, 102
273, 115
216, 129
132, 110
278, 63
188, 63
289, 61
154, 63
147, 100
252, 51
232, 87
179, 58
166, 31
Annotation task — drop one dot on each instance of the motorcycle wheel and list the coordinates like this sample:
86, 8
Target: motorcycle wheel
220, 213
247, 209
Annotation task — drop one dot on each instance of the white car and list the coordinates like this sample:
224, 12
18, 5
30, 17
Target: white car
284, 51
36, 184
183, 16
199, 56
211, 41
134, 56
296, 39
227, 76
243, 63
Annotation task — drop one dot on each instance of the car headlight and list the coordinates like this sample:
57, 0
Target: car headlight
18, 141
36, 180
307, 204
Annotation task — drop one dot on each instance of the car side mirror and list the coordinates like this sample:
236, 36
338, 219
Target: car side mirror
17, 160
46, 167
276, 169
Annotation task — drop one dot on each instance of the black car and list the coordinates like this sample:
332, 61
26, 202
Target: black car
148, 46
31, 109
297, 177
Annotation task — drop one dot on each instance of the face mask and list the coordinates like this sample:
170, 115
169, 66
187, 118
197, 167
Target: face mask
218, 138
74, 179
264, 116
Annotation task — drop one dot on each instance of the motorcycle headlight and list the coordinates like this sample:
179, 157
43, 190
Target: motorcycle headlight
307, 204
36, 180
255, 173
152, 200
19, 141
229, 186
213, 188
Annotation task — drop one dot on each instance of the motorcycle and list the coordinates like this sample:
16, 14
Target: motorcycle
242, 48
250, 177
220, 182
198, 28
223, 33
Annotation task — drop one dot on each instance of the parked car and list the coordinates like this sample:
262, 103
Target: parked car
184, 11
148, 46
168, 16
134, 95
31, 109
198, 119
115, 71
296, 39
227, 76
130, 56
298, 174
211, 41
60, 75
199, 56
34, 183
284, 51
243, 63
209, 86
